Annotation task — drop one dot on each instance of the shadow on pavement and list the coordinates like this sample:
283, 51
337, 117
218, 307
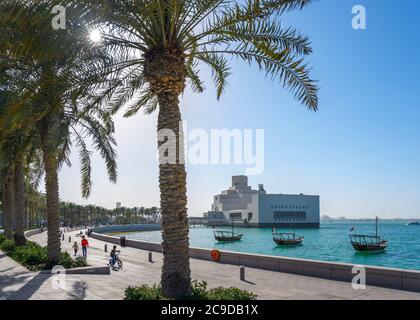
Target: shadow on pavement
78, 290
29, 288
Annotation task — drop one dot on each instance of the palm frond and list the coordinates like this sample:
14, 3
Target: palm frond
220, 69
85, 165
293, 74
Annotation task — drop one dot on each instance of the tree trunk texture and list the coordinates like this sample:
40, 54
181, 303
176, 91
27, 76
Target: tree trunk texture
29, 215
19, 235
9, 206
26, 213
166, 76
49, 148
173, 192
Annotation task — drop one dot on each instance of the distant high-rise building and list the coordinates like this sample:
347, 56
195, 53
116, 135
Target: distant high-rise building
118, 205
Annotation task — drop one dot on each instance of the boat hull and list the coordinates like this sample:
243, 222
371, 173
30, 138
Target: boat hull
293, 242
227, 239
361, 247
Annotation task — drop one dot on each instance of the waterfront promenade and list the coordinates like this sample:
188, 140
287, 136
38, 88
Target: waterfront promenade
17, 283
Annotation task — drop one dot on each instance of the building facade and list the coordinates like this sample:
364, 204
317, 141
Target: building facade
257, 208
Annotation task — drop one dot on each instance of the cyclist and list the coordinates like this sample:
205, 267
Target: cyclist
113, 254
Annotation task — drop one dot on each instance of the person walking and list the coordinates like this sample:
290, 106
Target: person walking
85, 245
75, 248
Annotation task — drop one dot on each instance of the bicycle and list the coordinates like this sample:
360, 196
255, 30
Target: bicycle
118, 263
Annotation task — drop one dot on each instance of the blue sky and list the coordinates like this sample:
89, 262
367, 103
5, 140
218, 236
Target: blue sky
360, 152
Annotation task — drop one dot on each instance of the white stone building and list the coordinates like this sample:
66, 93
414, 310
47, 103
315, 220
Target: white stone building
259, 209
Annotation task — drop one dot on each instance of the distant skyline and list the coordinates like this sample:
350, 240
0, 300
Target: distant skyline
360, 152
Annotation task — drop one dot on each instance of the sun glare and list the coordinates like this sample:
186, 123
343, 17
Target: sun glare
95, 35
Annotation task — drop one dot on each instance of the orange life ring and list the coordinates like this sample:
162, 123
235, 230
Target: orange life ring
215, 255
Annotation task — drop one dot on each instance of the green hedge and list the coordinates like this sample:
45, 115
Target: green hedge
199, 291
34, 257
2, 238
68, 262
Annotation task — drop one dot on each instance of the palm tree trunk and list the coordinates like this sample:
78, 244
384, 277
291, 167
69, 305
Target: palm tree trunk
26, 223
9, 206
176, 274
53, 225
29, 214
20, 239
49, 149
2, 204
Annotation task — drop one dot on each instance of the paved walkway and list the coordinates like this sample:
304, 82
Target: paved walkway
17, 283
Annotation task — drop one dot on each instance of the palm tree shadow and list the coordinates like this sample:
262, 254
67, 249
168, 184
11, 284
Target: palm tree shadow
7, 280
78, 290
5, 270
29, 288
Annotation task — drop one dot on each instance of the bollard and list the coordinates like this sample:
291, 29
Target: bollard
69, 239
122, 241
106, 248
242, 273
150, 257
62, 237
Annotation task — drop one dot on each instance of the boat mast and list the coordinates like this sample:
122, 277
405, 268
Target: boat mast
376, 227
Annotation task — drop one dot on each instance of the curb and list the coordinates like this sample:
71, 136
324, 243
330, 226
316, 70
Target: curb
84, 270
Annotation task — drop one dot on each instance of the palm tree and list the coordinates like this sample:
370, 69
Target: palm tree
17, 146
6, 155
161, 44
7, 185
60, 68
6, 175
19, 196
13, 147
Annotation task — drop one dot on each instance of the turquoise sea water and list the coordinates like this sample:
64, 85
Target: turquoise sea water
329, 243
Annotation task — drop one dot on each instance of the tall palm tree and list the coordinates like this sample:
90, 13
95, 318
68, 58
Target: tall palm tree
60, 68
6, 175
6, 155
19, 236
161, 44
15, 145
18, 162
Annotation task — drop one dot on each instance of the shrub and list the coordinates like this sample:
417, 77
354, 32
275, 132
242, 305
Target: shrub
2, 238
199, 291
68, 262
31, 255
8, 246
35, 257
80, 262
65, 260
144, 293
231, 293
